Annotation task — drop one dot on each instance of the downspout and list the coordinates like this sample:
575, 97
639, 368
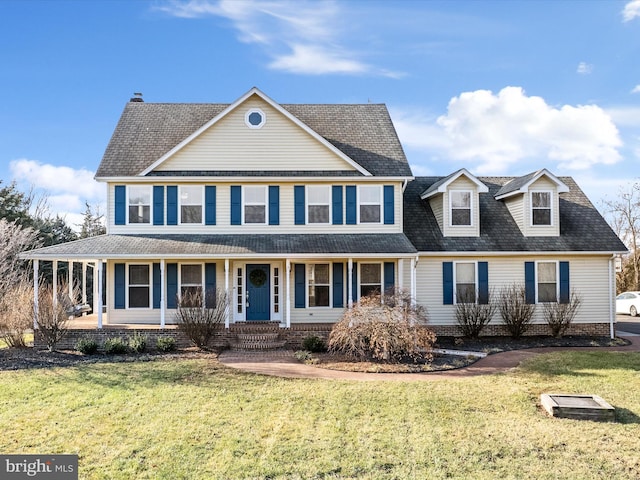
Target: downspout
404, 184
612, 290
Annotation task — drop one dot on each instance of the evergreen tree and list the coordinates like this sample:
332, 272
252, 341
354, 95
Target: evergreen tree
92, 223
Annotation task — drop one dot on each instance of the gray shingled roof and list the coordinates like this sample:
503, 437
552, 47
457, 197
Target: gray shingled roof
146, 131
515, 184
582, 228
182, 246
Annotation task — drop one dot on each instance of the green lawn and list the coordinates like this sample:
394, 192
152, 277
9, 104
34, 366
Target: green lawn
198, 419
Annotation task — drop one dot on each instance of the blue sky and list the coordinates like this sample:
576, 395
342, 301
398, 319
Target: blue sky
498, 87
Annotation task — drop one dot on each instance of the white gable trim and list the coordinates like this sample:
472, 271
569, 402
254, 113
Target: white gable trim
233, 106
560, 185
482, 188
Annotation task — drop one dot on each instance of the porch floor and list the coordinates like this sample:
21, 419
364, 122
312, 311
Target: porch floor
91, 321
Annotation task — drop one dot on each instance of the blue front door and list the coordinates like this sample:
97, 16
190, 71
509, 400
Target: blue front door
258, 306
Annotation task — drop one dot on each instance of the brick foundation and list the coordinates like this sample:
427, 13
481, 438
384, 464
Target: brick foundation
292, 336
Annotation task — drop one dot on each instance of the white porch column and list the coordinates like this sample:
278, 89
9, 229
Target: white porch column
99, 274
36, 267
414, 264
55, 283
400, 273
287, 311
70, 280
227, 312
350, 283
94, 287
162, 289
84, 285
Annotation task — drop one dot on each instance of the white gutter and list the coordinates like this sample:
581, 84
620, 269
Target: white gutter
529, 253
160, 179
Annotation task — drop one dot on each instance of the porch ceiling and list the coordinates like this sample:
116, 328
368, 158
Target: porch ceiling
224, 246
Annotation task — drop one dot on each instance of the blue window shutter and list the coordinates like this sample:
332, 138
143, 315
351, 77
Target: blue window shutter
157, 287
447, 283
119, 284
530, 282
564, 282
210, 205
300, 286
338, 285
389, 210
274, 205
389, 275
210, 284
236, 205
172, 205
120, 202
351, 204
172, 284
336, 200
298, 204
158, 205
483, 282
355, 296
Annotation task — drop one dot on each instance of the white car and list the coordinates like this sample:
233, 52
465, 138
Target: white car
628, 302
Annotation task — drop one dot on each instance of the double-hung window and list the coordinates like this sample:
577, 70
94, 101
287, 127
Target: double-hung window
191, 204
460, 203
370, 279
191, 291
465, 282
370, 200
540, 208
139, 204
255, 204
139, 286
547, 279
318, 203
319, 284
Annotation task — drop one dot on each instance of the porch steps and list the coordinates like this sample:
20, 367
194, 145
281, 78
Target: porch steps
259, 341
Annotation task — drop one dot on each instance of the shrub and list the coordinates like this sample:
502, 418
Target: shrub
314, 344
87, 346
472, 316
52, 313
387, 327
115, 346
560, 315
200, 320
303, 355
138, 343
16, 314
516, 313
166, 344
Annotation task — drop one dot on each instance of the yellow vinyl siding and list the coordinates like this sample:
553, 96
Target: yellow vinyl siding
553, 230
462, 183
278, 145
515, 205
438, 212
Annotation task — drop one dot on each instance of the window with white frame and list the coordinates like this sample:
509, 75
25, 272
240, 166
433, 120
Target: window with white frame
139, 203
370, 200
465, 279
239, 291
318, 203
276, 289
190, 204
540, 208
319, 284
139, 286
370, 279
460, 203
255, 204
547, 281
191, 291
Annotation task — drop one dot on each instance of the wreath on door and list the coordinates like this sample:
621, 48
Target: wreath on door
257, 277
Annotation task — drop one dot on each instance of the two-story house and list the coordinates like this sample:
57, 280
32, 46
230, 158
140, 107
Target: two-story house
297, 211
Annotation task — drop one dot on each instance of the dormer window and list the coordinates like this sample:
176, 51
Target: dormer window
460, 203
541, 208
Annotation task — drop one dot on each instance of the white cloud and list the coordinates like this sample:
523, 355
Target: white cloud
625, 116
584, 68
301, 37
66, 189
494, 133
636, 89
631, 10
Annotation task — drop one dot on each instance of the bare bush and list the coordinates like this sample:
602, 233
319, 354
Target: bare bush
516, 313
473, 316
387, 327
14, 239
16, 314
200, 318
560, 315
53, 312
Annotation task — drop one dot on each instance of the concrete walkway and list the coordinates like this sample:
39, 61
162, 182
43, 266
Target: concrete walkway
282, 363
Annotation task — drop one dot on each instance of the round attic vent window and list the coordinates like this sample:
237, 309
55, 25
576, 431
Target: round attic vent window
255, 118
